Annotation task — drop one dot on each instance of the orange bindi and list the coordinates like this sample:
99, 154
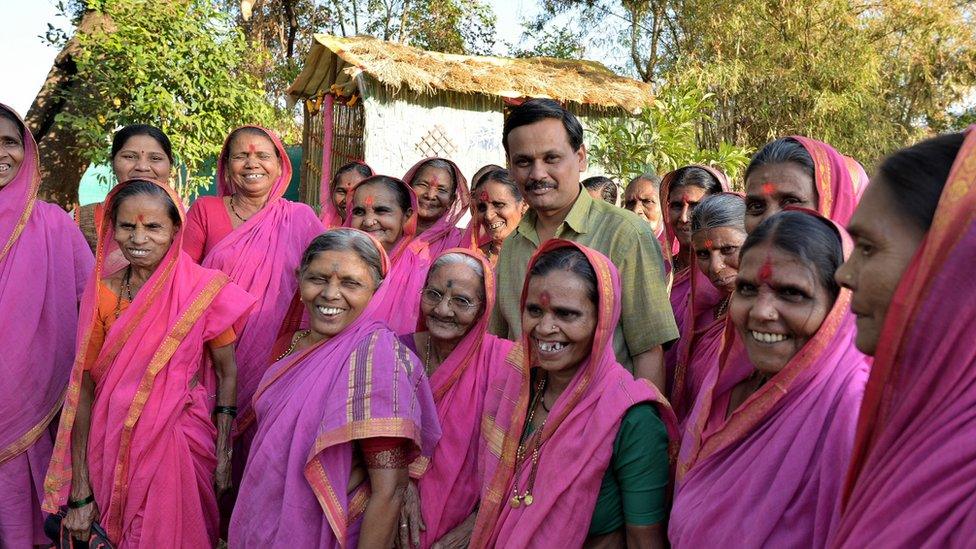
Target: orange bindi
768, 188
708, 244
766, 271
369, 200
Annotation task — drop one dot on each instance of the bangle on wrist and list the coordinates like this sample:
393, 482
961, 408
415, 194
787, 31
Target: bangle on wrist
79, 503
229, 410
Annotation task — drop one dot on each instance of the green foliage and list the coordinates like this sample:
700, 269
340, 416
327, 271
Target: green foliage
178, 65
561, 42
663, 138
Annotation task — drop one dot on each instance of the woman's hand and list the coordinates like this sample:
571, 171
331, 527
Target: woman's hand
410, 516
459, 537
79, 521
222, 475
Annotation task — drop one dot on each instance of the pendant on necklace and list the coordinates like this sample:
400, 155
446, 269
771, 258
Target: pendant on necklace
515, 502
528, 499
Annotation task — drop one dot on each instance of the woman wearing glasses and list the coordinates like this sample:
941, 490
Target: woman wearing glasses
459, 357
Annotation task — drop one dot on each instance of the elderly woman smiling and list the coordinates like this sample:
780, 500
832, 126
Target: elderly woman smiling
340, 415
499, 206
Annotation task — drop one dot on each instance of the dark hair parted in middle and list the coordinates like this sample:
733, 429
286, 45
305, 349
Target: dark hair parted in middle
248, 130
694, 176
503, 177
391, 184
535, 110
12, 117
808, 237
782, 150
132, 130
345, 239
358, 167
916, 175
135, 187
571, 260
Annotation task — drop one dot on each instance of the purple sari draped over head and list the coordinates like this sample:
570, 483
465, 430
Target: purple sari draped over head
839, 180
261, 256
151, 445
577, 438
44, 263
311, 408
770, 473
913, 475
450, 489
681, 280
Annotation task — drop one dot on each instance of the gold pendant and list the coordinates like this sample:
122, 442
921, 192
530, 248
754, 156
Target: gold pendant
528, 499
514, 502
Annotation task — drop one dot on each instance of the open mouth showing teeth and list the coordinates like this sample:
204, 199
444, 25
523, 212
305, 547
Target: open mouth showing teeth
496, 225
768, 338
4, 168
138, 253
253, 176
551, 347
329, 311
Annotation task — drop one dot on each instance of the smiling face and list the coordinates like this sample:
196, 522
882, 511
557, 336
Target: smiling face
435, 192
498, 211
144, 230
459, 304
141, 157
343, 185
253, 166
335, 287
545, 166
884, 244
717, 254
681, 202
772, 187
11, 151
560, 320
644, 200
375, 211
778, 305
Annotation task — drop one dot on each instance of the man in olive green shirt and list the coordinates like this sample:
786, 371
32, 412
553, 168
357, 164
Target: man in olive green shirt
546, 154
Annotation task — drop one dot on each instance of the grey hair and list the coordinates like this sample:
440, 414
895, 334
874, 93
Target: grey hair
439, 164
652, 178
345, 239
457, 258
719, 210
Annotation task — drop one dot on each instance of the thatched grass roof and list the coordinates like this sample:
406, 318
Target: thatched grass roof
336, 61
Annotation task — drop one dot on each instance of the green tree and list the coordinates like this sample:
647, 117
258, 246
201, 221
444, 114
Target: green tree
177, 64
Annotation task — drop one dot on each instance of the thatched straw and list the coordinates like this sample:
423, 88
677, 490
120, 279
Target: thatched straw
335, 60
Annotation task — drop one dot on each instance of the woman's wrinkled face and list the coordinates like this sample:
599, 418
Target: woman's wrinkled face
498, 211
560, 320
435, 192
644, 200
777, 307
681, 202
375, 211
144, 230
253, 164
772, 187
11, 151
884, 245
141, 157
717, 254
343, 186
335, 287
452, 301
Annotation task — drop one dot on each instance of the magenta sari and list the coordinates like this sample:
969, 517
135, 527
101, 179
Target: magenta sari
44, 263
839, 179
577, 441
151, 447
770, 474
913, 474
261, 256
681, 281
312, 407
450, 489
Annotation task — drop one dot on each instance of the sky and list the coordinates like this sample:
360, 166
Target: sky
26, 56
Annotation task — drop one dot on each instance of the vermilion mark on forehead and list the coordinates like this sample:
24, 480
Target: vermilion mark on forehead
768, 188
484, 196
141, 219
766, 271
545, 300
370, 200
708, 244
251, 148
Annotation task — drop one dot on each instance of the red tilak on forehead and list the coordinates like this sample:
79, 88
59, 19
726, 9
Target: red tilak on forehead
141, 219
766, 271
369, 200
768, 188
484, 196
545, 300
708, 244
251, 148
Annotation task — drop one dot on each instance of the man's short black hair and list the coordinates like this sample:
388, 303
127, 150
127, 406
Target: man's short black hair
534, 110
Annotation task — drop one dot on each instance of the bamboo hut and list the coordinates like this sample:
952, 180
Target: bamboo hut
391, 104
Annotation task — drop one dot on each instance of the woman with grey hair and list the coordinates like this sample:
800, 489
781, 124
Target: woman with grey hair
459, 358
341, 413
717, 232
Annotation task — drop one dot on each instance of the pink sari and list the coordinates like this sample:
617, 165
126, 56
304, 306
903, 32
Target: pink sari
770, 473
449, 490
261, 256
839, 179
681, 281
44, 263
312, 407
913, 474
577, 441
151, 447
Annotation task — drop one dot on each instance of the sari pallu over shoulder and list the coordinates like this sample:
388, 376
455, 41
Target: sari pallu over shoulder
311, 408
44, 263
913, 473
577, 441
449, 490
261, 256
151, 442
778, 456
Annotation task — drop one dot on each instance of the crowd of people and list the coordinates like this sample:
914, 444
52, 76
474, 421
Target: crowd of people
518, 363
